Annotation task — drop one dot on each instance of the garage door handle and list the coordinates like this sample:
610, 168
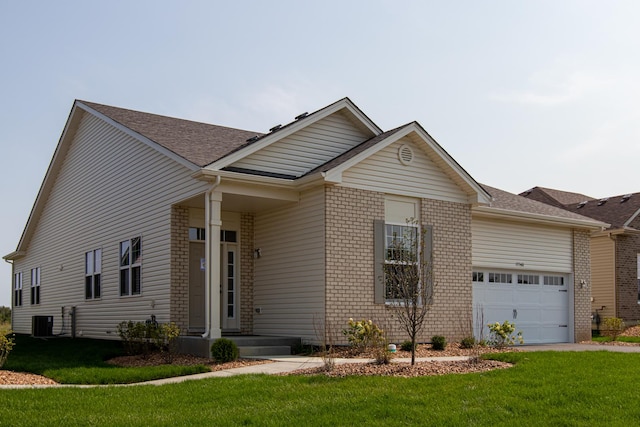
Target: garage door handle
515, 313
563, 326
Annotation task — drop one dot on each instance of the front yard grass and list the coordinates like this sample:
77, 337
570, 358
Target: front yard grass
545, 388
83, 361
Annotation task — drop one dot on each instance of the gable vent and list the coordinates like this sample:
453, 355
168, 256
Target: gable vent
625, 198
405, 155
602, 201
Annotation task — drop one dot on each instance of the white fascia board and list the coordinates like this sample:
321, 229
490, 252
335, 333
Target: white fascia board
14, 255
630, 220
184, 162
490, 212
291, 129
264, 181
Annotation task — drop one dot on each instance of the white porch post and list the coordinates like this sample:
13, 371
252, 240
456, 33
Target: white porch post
212, 236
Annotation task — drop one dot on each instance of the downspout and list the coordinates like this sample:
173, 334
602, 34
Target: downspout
207, 257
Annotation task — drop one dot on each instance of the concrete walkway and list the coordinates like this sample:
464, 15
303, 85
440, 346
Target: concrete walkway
293, 363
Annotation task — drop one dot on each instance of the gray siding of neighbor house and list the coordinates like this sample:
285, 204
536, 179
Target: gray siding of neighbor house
289, 276
110, 188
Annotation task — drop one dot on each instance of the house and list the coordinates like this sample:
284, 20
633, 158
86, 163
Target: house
226, 231
615, 251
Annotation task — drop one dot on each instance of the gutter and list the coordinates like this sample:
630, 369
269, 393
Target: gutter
207, 257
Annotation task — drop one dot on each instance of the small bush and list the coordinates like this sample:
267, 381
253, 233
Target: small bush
363, 335
6, 345
438, 342
165, 339
612, 327
406, 346
468, 342
224, 350
502, 335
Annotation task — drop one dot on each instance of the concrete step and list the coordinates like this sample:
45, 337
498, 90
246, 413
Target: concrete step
254, 340
264, 350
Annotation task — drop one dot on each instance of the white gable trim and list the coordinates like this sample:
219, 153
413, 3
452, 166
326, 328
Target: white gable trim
480, 195
631, 218
295, 127
139, 137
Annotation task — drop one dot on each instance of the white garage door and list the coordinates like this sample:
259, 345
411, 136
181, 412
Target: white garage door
537, 303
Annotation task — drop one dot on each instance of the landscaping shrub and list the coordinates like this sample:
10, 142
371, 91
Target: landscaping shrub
6, 344
502, 335
165, 340
438, 342
363, 335
224, 350
406, 346
612, 327
468, 342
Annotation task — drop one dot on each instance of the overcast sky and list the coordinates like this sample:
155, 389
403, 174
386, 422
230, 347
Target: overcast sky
519, 93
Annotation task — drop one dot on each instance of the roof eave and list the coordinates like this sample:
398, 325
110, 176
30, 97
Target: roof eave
491, 212
14, 255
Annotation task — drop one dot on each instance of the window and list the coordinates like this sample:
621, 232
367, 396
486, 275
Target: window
554, 280
35, 286
196, 234
500, 278
17, 289
92, 274
638, 264
130, 266
401, 263
477, 276
528, 279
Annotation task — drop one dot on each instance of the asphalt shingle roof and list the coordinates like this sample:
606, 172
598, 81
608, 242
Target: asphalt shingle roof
199, 143
613, 210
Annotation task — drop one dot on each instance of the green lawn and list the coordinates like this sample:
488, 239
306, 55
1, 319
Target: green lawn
546, 388
82, 361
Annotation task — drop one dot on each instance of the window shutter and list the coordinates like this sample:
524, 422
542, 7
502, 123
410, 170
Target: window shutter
427, 259
378, 257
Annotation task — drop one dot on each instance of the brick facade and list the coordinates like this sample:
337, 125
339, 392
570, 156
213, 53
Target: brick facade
581, 285
179, 301
350, 215
246, 273
626, 270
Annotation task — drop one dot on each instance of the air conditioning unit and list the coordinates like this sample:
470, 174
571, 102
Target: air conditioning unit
42, 326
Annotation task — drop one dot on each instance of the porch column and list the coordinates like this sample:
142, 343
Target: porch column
212, 236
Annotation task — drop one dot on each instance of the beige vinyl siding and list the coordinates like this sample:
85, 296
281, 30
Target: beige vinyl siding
306, 149
110, 188
421, 178
289, 275
603, 276
505, 245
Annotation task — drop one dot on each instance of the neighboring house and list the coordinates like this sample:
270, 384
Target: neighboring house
226, 231
615, 252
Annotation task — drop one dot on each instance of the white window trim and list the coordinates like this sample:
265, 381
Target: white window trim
93, 273
35, 286
130, 266
17, 289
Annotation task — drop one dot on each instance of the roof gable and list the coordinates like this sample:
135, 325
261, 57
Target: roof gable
433, 154
304, 150
262, 155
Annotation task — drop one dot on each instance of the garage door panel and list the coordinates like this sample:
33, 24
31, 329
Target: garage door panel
540, 311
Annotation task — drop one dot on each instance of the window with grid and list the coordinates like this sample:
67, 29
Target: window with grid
17, 289
131, 267
93, 274
35, 286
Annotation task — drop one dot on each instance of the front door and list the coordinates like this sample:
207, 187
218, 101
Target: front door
196, 287
229, 287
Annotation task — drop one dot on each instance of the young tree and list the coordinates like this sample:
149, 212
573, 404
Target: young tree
408, 271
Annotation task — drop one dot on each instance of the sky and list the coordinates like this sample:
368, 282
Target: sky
520, 93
